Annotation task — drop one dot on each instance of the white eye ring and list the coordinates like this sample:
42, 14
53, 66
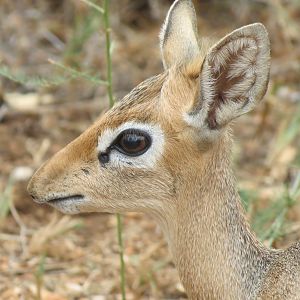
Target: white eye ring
138, 142
110, 152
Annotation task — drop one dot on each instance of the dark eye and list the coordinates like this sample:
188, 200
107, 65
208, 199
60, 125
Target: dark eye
132, 142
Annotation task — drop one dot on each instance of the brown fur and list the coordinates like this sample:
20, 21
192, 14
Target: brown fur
191, 191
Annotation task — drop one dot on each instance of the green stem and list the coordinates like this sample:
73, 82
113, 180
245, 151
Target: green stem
108, 51
111, 102
121, 251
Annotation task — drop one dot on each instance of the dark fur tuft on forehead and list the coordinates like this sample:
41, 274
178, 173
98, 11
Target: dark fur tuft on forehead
147, 90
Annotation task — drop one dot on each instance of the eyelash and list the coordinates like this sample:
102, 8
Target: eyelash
104, 156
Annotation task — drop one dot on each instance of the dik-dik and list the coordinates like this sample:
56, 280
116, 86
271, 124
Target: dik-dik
165, 150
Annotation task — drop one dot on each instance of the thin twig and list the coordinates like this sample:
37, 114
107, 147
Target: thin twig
78, 74
95, 6
23, 228
111, 102
33, 81
39, 276
4, 201
10, 237
108, 52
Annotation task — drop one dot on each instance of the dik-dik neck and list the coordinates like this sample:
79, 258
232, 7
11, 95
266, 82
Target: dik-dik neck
216, 254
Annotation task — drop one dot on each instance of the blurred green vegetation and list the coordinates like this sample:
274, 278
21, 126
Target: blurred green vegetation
271, 222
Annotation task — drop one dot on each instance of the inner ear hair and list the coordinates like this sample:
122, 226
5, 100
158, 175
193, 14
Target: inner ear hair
234, 77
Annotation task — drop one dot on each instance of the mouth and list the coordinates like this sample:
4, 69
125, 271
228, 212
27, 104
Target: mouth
69, 205
65, 199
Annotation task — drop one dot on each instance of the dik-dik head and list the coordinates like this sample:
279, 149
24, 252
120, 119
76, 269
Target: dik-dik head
134, 157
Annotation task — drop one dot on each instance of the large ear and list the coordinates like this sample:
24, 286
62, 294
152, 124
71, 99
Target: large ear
234, 77
178, 37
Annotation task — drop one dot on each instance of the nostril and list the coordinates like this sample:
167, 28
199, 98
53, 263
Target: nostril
31, 190
34, 197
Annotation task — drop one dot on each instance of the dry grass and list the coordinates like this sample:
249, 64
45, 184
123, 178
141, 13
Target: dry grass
44, 255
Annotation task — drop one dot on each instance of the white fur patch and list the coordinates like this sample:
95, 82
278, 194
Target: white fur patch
147, 159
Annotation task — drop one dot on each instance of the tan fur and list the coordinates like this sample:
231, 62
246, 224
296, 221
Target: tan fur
190, 191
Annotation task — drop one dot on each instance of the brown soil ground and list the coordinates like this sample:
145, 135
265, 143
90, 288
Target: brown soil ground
79, 255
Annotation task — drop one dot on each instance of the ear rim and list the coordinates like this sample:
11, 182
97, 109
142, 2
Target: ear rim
166, 27
198, 114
